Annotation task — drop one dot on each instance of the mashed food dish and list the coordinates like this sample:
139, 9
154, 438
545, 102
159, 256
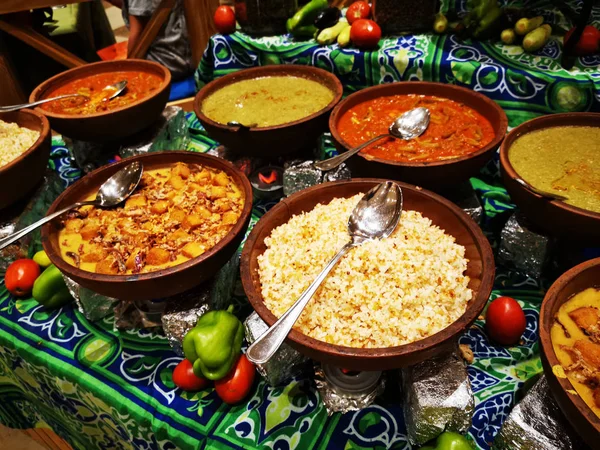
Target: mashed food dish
176, 214
267, 101
575, 337
14, 141
565, 160
381, 294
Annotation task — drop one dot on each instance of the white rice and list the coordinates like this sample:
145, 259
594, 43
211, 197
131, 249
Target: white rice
14, 141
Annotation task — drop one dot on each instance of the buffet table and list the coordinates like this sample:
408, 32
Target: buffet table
100, 388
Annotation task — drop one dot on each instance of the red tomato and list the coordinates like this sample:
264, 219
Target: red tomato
588, 42
237, 384
365, 33
184, 377
358, 10
20, 276
505, 321
224, 20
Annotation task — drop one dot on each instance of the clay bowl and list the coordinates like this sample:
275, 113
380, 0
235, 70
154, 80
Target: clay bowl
277, 140
116, 123
162, 283
20, 176
554, 217
434, 175
579, 278
443, 214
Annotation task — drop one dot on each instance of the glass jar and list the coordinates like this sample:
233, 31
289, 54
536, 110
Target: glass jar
264, 17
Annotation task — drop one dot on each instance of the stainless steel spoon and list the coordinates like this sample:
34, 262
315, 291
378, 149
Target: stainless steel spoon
550, 195
117, 87
112, 192
408, 126
374, 217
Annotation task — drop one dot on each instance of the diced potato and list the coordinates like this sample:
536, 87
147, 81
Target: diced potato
73, 225
177, 214
108, 266
89, 231
136, 201
194, 187
192, 249
94, 253
181, 170
192, 221
160, 207
221, 179
147, 226
218, 192
172, 194
202, 211
176, 181
230, 217
203, 176
157, 256
178, 235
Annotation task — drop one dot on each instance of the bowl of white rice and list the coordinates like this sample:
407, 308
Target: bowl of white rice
24, 153
387, 303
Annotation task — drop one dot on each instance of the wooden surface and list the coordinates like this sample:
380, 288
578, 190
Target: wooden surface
41, 43
10, 91
11, 6
151, 29
199, 18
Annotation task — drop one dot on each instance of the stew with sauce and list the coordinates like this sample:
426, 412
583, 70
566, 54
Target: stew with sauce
139, 85
455, 129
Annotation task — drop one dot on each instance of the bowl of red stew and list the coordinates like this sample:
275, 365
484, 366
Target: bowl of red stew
465, 129
93, 117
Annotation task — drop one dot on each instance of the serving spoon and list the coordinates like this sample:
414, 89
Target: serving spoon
374, 217
409, 125
550, 195
112, 192
117, 87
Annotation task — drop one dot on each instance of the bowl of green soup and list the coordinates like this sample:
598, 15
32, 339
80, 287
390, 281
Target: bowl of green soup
270, 110
557, 153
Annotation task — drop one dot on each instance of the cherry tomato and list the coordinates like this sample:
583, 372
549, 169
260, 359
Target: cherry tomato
358, 10
184, 377
365, 33
237, 384
505, 321
20, 276
588, 42
224, 20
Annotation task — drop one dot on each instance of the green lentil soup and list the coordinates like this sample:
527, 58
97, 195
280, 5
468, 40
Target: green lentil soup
565, 160
267, 101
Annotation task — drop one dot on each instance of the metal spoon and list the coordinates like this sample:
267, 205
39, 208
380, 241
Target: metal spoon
114, 191
408, 126
374, 217
117, 87
241, 127
550, 195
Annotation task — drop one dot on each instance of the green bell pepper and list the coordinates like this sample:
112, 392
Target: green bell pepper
449, 440
50, 290
306, 15
214, 344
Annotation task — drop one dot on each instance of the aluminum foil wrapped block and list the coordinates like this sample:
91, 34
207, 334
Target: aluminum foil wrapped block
522, 248
464, 196
537, 422
437, 396
284, 364
340, 173
139, 314
343, 391
300, 175
92, 305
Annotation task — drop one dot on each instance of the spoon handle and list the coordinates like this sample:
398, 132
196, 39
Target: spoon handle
39, 102
332, 163
269, 342
19, 234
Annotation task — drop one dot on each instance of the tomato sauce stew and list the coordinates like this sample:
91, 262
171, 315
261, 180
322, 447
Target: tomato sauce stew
139, 85
455, 129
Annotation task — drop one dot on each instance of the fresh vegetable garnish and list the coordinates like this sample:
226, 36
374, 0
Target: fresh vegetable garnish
237, 384
214, 344
358, 10
589, 42
41, 258
185, 378
536, 39
330, 35
365, 33
50, 289
20, 277
505, 321
301, 25
327, 18
449, 440
224, 19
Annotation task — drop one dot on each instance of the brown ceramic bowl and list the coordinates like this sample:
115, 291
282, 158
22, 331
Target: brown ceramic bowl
20, 176
554, 217
579, 278
443, 213
116, 123
277, 140
162, 283
435, 175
